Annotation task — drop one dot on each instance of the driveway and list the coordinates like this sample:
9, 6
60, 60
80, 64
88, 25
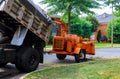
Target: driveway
10, 72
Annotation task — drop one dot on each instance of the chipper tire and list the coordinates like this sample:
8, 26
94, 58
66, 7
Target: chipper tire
27, 59
61, 56
80, 57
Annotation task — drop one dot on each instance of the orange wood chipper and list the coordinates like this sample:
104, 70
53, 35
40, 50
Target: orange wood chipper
69, 44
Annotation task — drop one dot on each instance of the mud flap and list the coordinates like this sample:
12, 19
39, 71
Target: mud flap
19, 36
77, 50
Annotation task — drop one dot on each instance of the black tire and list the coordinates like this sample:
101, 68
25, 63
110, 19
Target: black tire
3, 64
61, 56
27, 59
80, 57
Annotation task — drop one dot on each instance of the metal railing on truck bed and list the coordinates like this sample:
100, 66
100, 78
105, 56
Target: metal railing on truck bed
15, 13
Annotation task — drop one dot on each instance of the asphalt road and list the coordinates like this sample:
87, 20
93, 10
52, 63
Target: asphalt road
108, 53
10, 72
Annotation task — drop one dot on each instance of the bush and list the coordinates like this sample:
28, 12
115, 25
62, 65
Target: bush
116, 30
50, 40
99, 35
92, 19
81, 27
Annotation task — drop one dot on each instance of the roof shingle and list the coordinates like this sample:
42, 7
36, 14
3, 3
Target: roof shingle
105, 18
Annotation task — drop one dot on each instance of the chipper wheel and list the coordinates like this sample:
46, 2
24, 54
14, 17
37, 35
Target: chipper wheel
61, 56
80, 57
27, 59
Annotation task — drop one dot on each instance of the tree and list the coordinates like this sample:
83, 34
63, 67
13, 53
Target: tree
80, 27
93, 21
99, 35
116, 30
115, 4
66, 7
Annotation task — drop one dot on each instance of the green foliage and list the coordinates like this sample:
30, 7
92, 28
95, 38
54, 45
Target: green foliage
67, 7
117, 12
93, 21
50, 40
75, 6
81, 27
109, 31
116, 30
98, 68
114, 4
99, 35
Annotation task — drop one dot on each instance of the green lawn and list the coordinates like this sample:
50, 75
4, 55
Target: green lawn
105, 45
97, 69
98, 45
48, 46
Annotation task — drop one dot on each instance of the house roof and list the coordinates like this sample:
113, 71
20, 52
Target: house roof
105, 18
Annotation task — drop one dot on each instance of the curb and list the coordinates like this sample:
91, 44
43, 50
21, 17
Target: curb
30, 73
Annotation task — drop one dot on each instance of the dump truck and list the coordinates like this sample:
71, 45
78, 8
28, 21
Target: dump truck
25, 30
69, 44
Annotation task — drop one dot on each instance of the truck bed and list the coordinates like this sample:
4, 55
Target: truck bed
15, 13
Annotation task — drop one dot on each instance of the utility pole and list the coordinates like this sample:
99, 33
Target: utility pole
112, 26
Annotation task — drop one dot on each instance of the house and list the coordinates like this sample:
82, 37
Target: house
103, 19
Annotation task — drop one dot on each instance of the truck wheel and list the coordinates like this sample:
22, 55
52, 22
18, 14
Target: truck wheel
27, 59
61, 56
3, 64
80, 57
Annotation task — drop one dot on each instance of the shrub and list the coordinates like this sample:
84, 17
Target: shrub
99, 35
116, 30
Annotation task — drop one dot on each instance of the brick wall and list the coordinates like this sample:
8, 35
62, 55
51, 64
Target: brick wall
103, 28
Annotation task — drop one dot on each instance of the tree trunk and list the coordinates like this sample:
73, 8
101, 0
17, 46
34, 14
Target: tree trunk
69, 15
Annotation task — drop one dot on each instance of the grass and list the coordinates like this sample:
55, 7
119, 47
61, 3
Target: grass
99, 69
106, 45
48, 46
98, 45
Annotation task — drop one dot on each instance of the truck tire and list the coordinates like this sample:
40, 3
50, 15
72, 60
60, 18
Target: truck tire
3, 64
80, 57
27, 59
61, 56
